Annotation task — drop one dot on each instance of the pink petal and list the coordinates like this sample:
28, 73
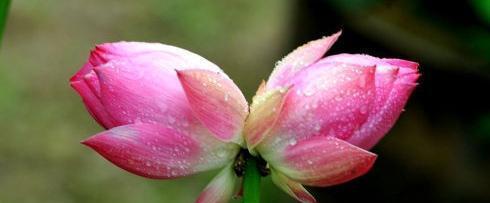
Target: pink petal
406, 67
83, 82
216, 101
97, 58
327, 99
291, 187
385, 75
93, 104
323, 161
409, 65
165, 56
153, 58
221, 188
395, 80
177, 57
86, 68
134, 91
161, 152
300, 58
264, 112
356, 59
125, 49
389, 107
93, 83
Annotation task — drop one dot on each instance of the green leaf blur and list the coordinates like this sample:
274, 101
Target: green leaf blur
4, 7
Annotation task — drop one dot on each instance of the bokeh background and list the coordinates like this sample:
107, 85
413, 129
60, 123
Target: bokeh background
438, 151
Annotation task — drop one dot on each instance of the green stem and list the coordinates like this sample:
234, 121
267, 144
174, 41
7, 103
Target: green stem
251, 181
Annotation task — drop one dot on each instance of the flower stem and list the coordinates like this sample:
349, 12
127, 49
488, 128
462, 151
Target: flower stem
251, 181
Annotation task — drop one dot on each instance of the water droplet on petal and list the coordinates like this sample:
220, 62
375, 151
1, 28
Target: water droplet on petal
221, 153
299, 93
362, 81
363, 109
185, 123
162, 107
130, 73
317, 127
171, 119
309, 92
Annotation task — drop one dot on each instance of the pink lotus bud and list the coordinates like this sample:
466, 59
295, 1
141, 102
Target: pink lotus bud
335, 109
171, 113
149, 98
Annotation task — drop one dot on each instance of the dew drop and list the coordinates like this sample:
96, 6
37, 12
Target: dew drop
292, 142
299, 93
317, 127
309, 92
363, 109
185, 123
314, 105
161, 106
221, 153
171, 119
362, 82
130, 73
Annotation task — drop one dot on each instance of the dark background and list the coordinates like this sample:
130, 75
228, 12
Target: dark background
437, 152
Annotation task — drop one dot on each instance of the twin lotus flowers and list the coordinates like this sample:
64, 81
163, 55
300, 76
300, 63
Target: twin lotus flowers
171, 113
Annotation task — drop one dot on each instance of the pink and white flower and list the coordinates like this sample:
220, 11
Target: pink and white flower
170, 113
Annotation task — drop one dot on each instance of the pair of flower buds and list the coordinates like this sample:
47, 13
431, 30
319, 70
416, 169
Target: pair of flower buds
171, 113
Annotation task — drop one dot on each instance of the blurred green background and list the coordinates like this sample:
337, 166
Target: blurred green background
438, 151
